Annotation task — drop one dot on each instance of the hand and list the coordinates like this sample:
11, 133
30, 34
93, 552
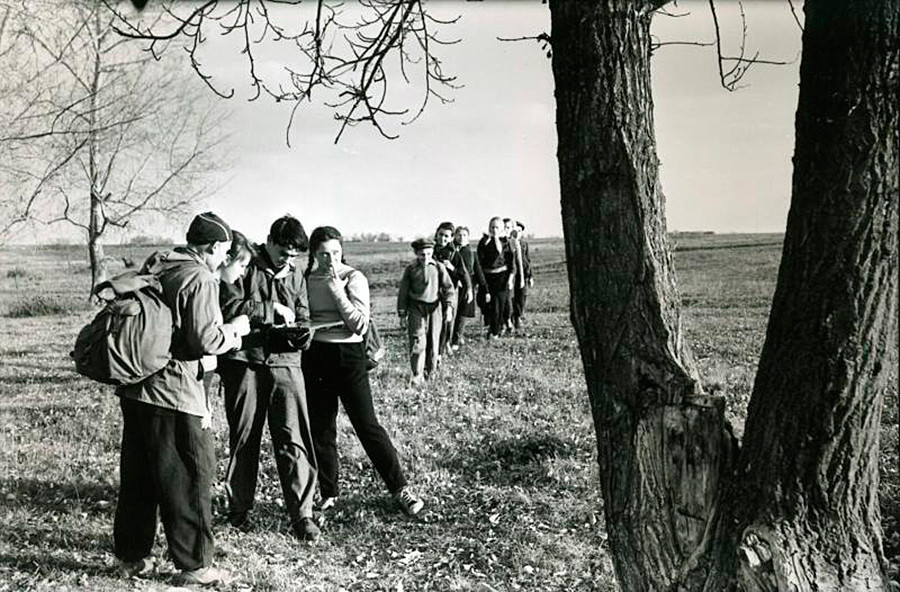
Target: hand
470, 295
238, 343
240, 325
206, 422
510, 283
531, 282
487, 297
287, 314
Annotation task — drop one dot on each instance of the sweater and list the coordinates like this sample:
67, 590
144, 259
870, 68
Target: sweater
344, 300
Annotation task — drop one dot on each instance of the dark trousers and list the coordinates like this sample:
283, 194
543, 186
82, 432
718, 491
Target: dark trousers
167, 462
338, 371
498, 308
459, 326
520, 295
254, 394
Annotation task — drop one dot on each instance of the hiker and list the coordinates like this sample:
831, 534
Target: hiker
424, 300
168, 450
335, 368
525, 279
497, 260
445, 252
264, 382
465, 307
518, 280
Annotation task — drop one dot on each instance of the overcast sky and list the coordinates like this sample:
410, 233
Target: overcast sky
726, 157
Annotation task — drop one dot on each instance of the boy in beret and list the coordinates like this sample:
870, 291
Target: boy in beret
425, 301
168, 451
263, 382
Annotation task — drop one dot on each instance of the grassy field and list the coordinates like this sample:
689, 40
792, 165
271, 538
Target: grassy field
502, 446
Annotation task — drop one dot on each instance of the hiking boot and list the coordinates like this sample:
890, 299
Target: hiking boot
241, 521
305, 529
204, 576
141, 567
409, 502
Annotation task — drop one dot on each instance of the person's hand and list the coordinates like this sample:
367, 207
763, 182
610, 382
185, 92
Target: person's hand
487, 297
510, 283
531, 282
521, 283
470, 295
240, 325
287, 314
238, 343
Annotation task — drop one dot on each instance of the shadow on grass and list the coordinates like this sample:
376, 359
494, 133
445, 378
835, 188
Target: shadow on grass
48, 380
509, 461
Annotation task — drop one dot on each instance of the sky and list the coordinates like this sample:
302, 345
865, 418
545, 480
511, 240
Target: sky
726, 156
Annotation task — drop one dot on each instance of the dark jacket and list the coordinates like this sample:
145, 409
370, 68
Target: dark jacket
427, 283
192, 292
490, 258
255, 295
526, 259
453, 262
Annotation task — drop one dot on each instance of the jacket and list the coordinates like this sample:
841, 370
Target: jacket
192, 292
255, 295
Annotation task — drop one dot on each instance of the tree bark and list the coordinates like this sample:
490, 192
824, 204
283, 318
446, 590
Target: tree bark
804, 509
663, 445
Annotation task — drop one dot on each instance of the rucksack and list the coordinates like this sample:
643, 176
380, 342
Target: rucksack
130, 338
374, 347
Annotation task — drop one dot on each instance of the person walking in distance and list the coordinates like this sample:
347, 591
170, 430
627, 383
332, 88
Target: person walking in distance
168, 451
465, 308
424, 300
497, 260
263, 382
446, 253
524, 280
335, 369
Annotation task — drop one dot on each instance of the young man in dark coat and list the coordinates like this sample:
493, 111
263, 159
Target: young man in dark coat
168, 451
498, 263
264, 381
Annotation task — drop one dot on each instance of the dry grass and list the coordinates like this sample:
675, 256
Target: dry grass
502, 447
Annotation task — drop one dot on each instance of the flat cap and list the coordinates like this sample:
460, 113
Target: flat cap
208, 228
422, 243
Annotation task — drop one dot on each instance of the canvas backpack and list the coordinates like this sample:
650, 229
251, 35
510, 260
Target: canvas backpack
131, 337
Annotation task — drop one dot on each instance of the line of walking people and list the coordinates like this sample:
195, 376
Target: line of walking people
440, 290
287, 341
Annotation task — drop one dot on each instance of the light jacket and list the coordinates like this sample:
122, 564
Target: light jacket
192, 292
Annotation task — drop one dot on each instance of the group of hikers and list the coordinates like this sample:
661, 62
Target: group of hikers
287, 341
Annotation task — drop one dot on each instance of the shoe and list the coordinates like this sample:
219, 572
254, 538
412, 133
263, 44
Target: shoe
417, 382
241, 521
305, 529
408, 501
141, 567
493, 337
327, 503
454, 348
205, 576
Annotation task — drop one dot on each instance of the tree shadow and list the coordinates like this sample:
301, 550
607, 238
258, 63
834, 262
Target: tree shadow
42, 497
509, 461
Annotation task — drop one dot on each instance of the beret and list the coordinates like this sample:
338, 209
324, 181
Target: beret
208, 228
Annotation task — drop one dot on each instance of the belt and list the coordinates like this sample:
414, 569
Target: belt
496, 269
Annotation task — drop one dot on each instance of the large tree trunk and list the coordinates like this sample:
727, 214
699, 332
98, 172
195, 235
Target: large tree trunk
801, 510
663, 446
804, 512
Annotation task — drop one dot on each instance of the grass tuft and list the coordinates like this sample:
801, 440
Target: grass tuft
38, 306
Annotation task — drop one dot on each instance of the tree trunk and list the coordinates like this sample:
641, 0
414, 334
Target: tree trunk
95, 247
663, 446
801, 510
804, 511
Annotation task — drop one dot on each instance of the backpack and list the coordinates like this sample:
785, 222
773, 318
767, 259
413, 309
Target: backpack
374, 347
130, 338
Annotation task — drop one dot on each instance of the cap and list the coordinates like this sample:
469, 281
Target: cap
422, 243
208, 228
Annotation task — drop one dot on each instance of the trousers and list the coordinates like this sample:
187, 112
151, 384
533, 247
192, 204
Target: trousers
424, 321
255, 394
333, 372
168, 463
